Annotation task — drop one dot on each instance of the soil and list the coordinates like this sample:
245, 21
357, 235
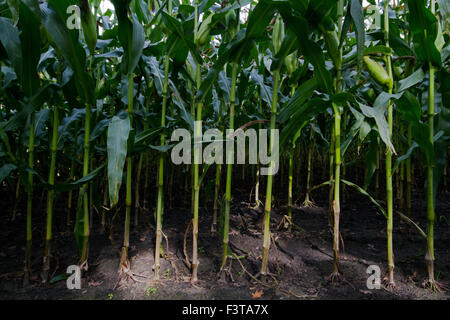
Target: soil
301, 259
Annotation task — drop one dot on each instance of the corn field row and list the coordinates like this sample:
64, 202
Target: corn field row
91, 96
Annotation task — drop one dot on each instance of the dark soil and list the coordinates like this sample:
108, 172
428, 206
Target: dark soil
301, 259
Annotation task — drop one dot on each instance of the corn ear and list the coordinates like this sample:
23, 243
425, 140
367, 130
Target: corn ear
291, 63
89, 25
332, 41
377, 71
232, 22
277, 34
203, 31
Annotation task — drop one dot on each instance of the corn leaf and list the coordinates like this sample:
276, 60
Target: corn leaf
118, 132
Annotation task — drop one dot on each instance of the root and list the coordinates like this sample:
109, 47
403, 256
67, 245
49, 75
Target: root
274, 286
264, 277
436, 286
391, 286
389, 283
125, 273
336, 277
226, 271
169, 256
257, 205
257, 275
83, 265
309, 203
276, 252
26, 278
285, 223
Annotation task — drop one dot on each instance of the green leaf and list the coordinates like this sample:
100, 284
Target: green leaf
410, 107
89, 24
60, 277
444, 9
311, 51
54, 15
288, 46
265, 91
412, 80
302, 94
259, 18
10, 40
158, 75
398, 45
224, 57
30, 38
358, 20
137, 44
304, 112
402, 158
370, 162
64, 187
378, 114
364, 192
424, 28
118, 132
377, 49
6, 170
176, 27
30, 105
142, 136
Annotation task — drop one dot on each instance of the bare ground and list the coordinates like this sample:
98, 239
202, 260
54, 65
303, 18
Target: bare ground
301, 258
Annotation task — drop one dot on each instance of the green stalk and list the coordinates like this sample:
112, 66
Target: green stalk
16, 200
29, 237
136, 191
128, 199
71, 177
84, 188
336, 201
402, 172
268, 204
226, 217
257, 201
308, 201
161, 172
51, 193
409, 175
389, 191
331, 174
217, 185
337, 152
146, 126
429, 256
196, 188
216, 197
291, 169
126, 235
